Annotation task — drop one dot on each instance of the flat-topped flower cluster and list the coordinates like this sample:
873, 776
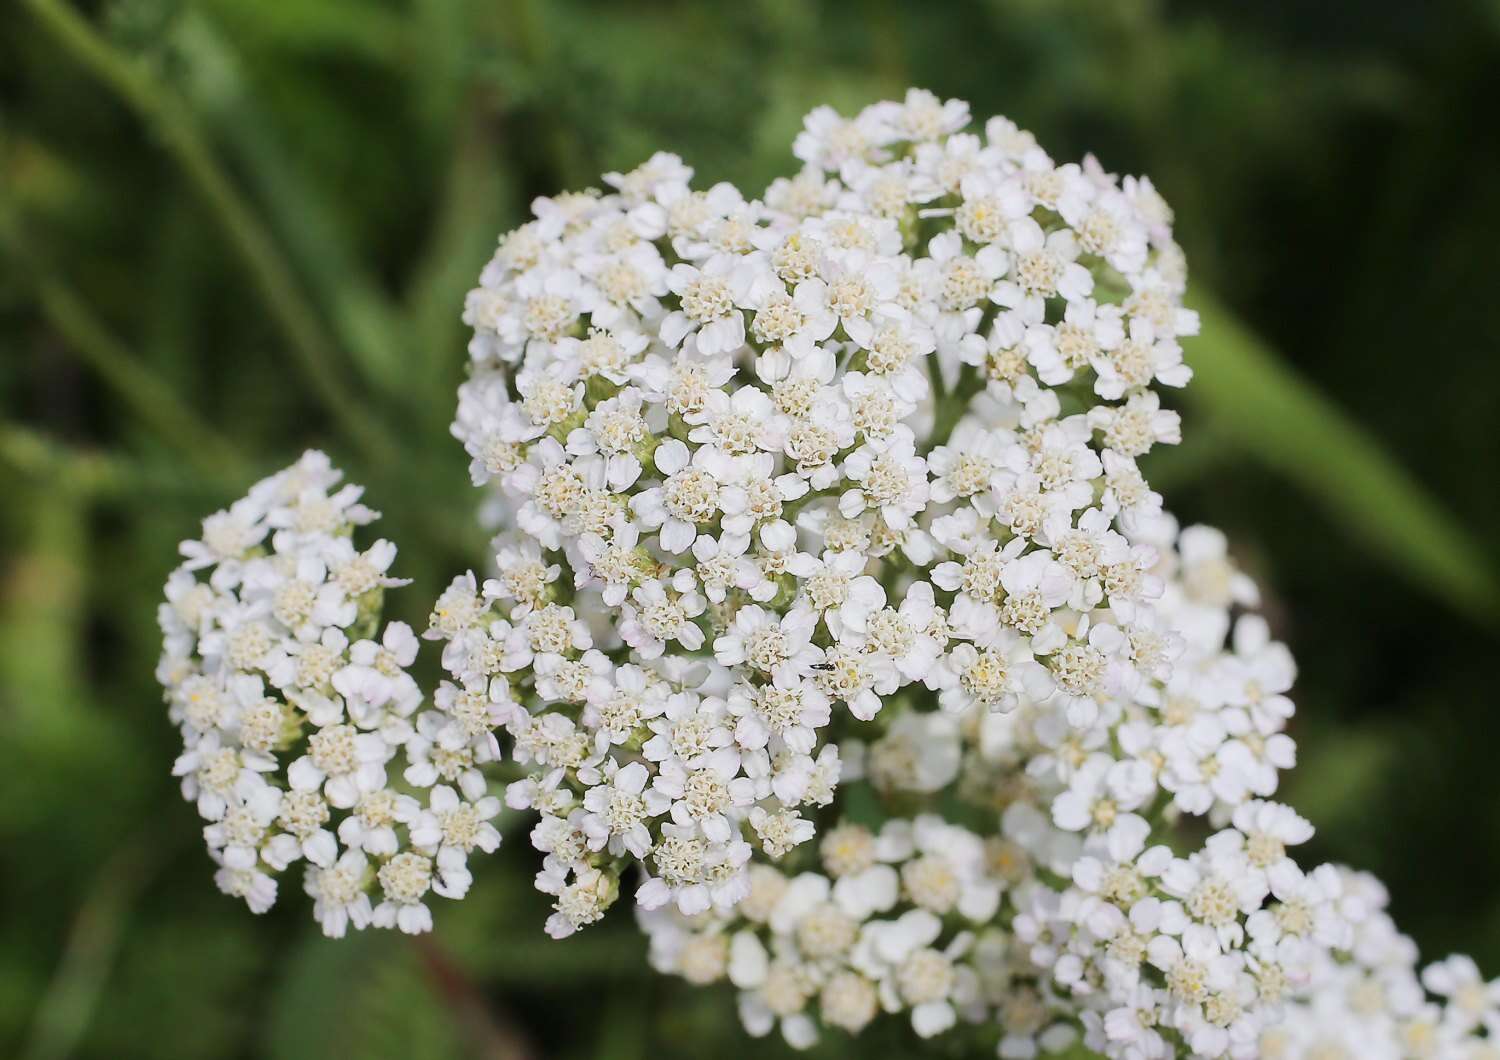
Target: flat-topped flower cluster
832, 615
874, 432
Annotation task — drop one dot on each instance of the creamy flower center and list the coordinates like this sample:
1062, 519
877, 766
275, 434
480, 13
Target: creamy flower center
406, 878
691, 495
707, 299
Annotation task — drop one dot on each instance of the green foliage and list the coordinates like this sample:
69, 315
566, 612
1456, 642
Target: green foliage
231, 229
1271, 413
366, 996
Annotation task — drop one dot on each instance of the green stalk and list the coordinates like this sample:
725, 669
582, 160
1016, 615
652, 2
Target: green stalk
151, 398
935, 374
952, 406
155, 105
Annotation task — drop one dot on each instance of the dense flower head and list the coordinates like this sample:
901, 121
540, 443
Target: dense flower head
298, 715
832, 618
867, 443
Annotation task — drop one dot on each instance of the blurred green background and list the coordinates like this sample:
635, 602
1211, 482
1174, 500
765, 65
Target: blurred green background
236, 228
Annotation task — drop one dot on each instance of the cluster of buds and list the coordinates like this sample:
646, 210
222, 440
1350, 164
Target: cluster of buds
833, 617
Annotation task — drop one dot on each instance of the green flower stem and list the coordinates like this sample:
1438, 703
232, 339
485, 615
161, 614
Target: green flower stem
935, 374
155, 105
952, 406
151, 398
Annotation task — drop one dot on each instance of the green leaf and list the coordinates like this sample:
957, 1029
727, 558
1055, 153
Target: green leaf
1279, 418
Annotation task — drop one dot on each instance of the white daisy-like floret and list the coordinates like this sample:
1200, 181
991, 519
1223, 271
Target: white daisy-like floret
712, 300
891, 480
836, 589
377, 677
449, 830
654, 617
620, 809
779, 648
339, 893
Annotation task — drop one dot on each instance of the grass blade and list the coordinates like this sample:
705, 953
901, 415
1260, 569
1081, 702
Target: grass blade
1280, 419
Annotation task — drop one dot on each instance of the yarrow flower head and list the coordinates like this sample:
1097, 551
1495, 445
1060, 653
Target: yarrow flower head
832, 615
298, 715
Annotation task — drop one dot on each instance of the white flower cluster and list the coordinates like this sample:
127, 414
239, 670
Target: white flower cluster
293, 714
661, 763
870, 438
1368, 1001
902, 919
831, 611
1082, 911
1159, 948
